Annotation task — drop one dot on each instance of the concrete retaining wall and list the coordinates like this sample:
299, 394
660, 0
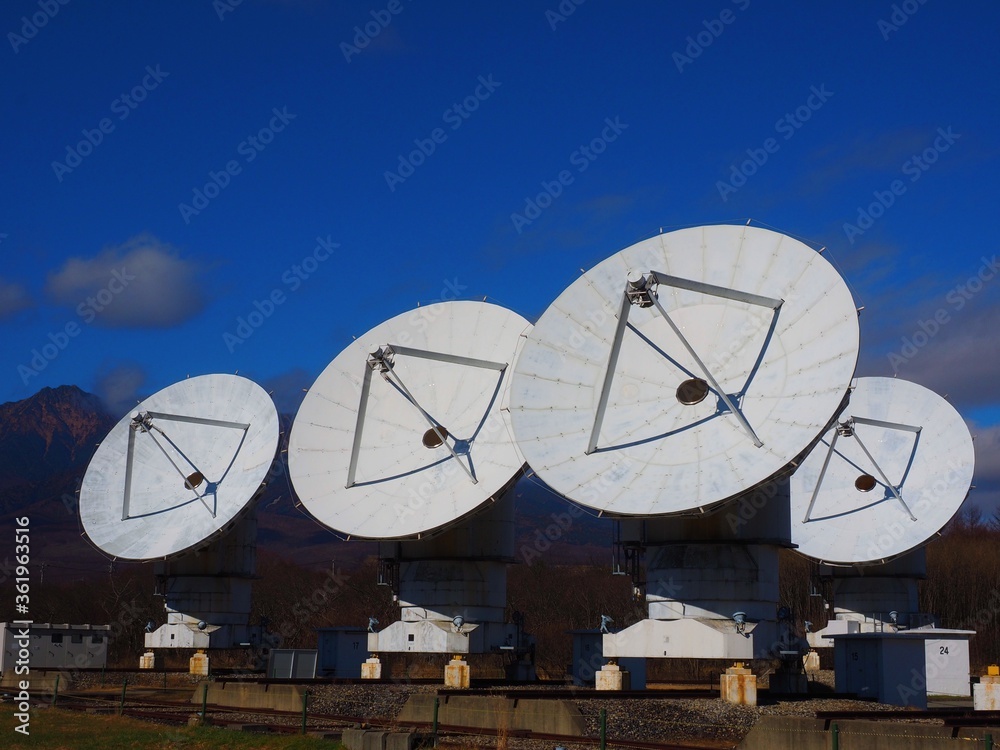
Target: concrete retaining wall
489, 712
41, 680
279, 697
795, 733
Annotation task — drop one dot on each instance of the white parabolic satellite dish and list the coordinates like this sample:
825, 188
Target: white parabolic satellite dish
179, 468
684, 370
406, 430
900, 466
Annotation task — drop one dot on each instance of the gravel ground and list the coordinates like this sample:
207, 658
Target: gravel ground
647, 719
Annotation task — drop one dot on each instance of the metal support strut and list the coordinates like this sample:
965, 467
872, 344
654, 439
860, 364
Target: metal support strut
641, 291
846, 429
143, 423
382, 360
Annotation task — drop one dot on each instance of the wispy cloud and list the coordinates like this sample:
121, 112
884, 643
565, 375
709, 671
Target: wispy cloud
13, 299
142, 283
961, 358
863, 154
118, 386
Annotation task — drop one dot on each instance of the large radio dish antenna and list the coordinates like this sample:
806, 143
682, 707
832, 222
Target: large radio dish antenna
406, 430
890, 474
180, 468
685, 370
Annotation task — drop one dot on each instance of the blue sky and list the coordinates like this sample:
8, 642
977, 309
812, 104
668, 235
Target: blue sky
315, 168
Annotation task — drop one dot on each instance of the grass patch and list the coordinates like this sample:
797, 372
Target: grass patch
70, 730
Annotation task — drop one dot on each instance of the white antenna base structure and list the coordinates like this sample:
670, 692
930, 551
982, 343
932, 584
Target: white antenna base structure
452, 588
207, 595
711, 584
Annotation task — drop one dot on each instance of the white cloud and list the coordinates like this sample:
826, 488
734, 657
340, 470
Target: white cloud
13, 299
142, 283
119, 387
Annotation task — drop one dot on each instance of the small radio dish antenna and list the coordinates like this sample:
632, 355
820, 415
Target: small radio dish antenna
893, 471
406, 431
176, 471
685, 370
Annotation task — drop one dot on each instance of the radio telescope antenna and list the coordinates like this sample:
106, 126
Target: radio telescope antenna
685, 370
885, 479
405, 437
406, 431
180, 473
177, 471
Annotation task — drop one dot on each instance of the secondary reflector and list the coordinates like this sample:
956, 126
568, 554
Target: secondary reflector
684, 370
406, 430
179, 468
885, 479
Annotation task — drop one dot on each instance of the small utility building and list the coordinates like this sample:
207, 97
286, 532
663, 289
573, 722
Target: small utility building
56, 646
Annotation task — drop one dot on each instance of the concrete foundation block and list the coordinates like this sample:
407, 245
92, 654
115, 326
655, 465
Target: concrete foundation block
986, 693
371, 669
739, 686
353, 739
612, 677
457, 674
199, 664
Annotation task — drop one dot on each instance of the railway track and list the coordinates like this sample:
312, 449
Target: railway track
584, 694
